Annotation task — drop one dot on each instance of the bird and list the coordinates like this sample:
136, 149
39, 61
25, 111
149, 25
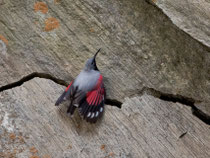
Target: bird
86, 92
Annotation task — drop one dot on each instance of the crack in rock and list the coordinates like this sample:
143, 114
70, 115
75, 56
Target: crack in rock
112, 102
177, 98
31, 76
183, 134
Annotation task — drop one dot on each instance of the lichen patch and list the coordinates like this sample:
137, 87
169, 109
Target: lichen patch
57, 1
51, 24
41, 6
33, 150
4, 39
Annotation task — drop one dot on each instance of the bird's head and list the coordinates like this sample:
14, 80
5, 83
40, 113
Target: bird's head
91, 63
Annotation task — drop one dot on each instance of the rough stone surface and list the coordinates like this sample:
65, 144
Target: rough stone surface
144, 127
191, 16
141, 47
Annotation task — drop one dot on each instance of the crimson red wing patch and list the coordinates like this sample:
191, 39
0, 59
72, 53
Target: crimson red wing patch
92, 106
67, 88
95, 97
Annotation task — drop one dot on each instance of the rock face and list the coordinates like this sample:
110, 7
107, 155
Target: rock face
146, 46
144, 127
191, 16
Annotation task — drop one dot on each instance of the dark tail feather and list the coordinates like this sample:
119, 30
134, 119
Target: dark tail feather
60, 99
71, 107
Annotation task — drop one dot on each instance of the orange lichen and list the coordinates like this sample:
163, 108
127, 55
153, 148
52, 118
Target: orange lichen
92, 30
154, 1
57, 1
51, 23
111, 154
21, 139
12, 136
102, 147
33, 150
69, 147
8, 154
4, 39
41, 6
34, 156
15, 151
46, 156
1, 154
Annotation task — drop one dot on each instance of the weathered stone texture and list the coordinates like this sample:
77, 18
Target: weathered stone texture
142, 46
144, 127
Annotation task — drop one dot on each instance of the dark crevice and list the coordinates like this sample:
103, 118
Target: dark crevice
31, 76
201, 115
183, 134
179, 99
112, 102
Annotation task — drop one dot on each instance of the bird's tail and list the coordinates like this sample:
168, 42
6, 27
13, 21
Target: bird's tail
65, 94
60, 99
71, 107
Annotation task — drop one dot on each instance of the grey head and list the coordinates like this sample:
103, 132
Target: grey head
91, 63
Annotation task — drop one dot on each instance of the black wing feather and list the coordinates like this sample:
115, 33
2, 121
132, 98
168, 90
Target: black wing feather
92, 110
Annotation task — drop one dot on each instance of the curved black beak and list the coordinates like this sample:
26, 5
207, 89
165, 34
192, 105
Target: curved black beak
96, 53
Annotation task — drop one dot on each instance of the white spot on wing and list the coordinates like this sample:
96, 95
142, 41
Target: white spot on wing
76, 105
97, 114
92, 115
89, 114
101, 109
